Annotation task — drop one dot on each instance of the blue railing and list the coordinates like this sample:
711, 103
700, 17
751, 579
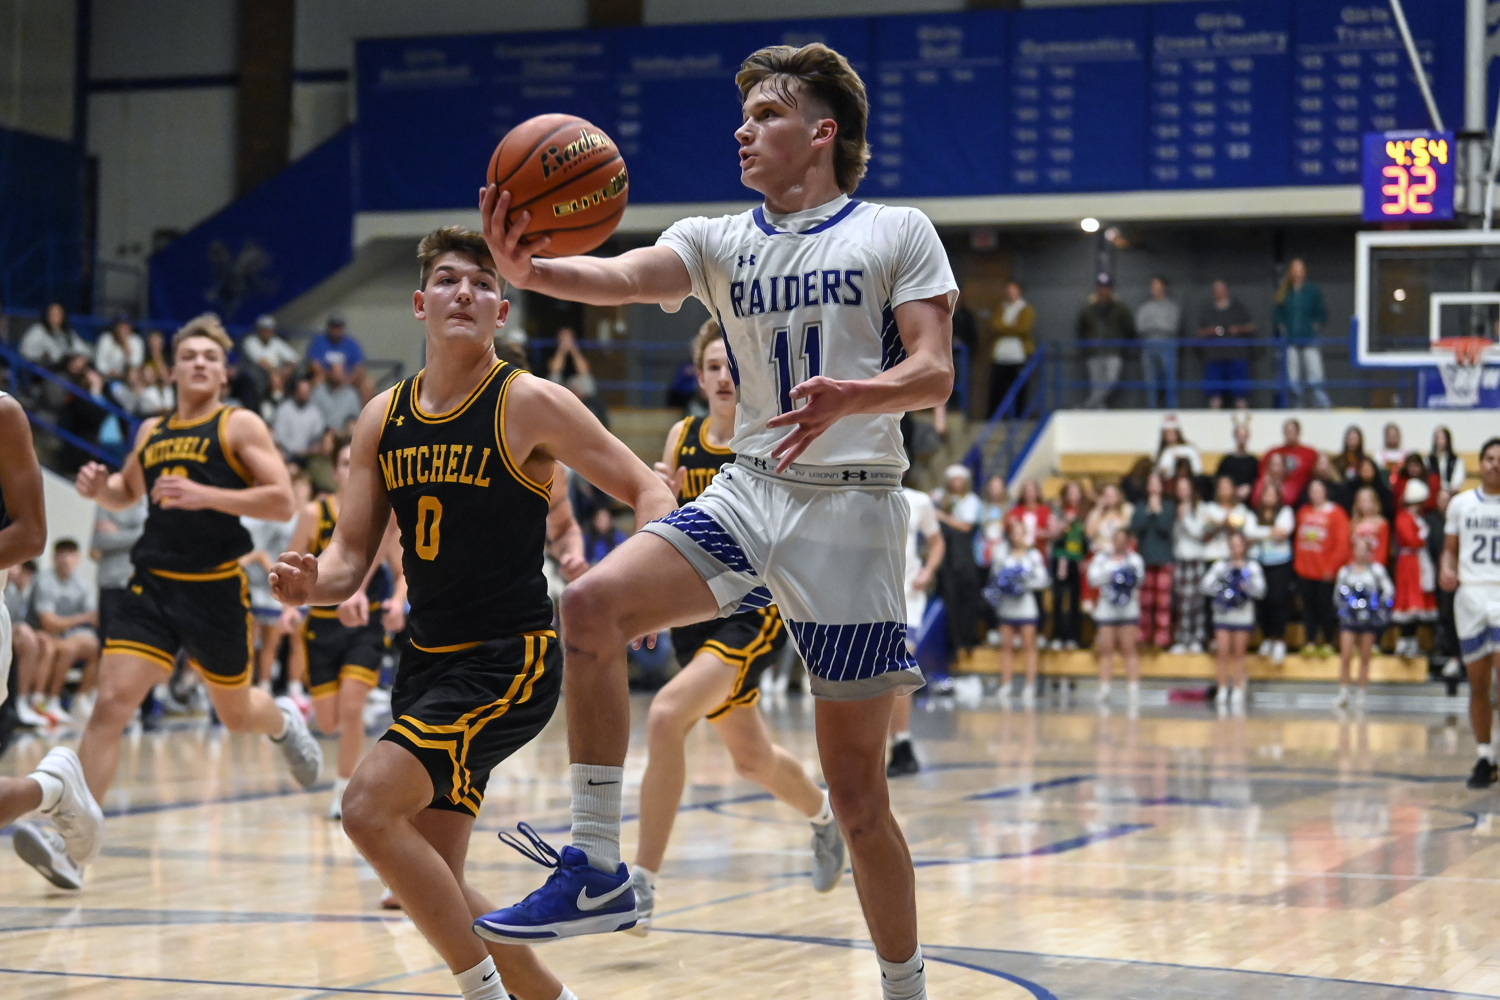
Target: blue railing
24, 374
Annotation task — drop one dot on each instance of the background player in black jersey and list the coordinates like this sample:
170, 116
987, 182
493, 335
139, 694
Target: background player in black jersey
466, 455
342, 647
722, 660
203, 467
56, 787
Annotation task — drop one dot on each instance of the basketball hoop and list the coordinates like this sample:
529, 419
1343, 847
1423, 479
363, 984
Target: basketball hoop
1461, 375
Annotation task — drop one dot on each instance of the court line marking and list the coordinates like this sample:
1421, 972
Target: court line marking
219, 982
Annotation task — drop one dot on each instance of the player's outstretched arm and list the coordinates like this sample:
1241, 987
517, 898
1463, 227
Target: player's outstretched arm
646, 274
21, 483
364, 509
923, 380
547, 421
117, 490
269, 496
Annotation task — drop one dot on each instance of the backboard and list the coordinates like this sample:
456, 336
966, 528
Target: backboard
1414, 288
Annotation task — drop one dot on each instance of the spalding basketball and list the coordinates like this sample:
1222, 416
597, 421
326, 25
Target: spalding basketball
569, 175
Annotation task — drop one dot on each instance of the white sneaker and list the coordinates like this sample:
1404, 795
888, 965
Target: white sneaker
1237, 700
992, 638
645, 902
1278, 652
1133, 693
54, 710
1359, 699
1341, 700
336, 803
1453, 668
1221, 697
1003, 695
1102, 694
44, 850
388, 900
828, 859
298, 745
77, 816
1055, 645
1028, 696
1196, 647
83, 705
29, 717
1178, 648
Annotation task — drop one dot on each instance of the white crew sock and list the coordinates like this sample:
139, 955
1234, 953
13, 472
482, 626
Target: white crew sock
825, 815
1486, 751
339, 785
596, 813
903, 980
481, 982
902, 737
52, 789
567, 994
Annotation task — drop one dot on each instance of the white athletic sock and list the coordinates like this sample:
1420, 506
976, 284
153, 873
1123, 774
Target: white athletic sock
825, 815
903, 980
1487, 751
596, 813
52, 789
481, 982
902, 737
339, 785
295, 689
567, 994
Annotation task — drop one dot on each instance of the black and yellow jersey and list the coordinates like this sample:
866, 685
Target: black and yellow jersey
701, 459
379, 587
473, 526
191, 541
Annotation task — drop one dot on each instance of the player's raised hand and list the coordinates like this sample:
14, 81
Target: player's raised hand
293, 578
827, 400
673, 479
512, 254
355, 612
91, 479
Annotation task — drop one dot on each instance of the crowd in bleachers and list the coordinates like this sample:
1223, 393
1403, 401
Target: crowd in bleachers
308, 395
1196, 559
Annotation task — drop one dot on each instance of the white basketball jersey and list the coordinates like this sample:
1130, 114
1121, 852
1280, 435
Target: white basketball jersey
1475, 518
813, 293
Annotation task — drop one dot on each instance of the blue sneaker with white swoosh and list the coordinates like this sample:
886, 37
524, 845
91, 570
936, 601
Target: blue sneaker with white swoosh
577, 898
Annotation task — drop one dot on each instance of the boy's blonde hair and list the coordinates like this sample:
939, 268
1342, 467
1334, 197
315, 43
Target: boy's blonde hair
707, 334
208, 326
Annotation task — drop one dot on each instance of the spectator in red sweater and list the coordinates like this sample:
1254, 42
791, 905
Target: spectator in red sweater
1297, 458
1320, 550
1414, 469
1034, 514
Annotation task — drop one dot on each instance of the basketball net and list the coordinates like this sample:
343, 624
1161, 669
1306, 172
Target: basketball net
1462, 374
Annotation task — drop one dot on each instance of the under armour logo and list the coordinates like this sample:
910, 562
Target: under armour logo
850, 474
760, 463
743, 259
400, 419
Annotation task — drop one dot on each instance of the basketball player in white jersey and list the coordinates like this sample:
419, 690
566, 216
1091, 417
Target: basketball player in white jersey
1471, 563
838, 318
56, 787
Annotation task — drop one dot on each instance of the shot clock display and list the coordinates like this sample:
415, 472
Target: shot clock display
1409, 176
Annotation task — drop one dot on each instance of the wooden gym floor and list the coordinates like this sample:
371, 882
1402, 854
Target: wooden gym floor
1061, 853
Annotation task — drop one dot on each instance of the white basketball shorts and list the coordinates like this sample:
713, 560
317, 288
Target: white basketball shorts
831, 558
1476, 613
5, 651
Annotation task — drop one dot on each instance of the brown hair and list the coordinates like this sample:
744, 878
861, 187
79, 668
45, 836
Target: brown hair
453, 239
826, 77
707, 334
207, 326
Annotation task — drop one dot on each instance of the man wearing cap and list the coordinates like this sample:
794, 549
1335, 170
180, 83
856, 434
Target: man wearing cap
1102, 319
269, 352
335, 345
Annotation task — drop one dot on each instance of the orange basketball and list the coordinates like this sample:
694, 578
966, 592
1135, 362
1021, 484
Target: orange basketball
569, 175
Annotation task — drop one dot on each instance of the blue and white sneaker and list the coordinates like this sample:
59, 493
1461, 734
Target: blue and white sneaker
576, 899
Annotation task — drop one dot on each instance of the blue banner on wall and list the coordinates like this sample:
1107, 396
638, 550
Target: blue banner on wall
1209, 94
268, 247
41, 199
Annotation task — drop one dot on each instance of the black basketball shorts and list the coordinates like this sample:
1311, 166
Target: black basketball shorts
207, 615
461, 710
335, 651
747, 641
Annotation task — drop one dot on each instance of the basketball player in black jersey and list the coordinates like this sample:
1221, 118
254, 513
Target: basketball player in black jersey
56, 787
343, 646
466, 455
722, 660
202, 467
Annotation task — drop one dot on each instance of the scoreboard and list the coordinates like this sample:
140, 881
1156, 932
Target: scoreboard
1408, 176
1164, 96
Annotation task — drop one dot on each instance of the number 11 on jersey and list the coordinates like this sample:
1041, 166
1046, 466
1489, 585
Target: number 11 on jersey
794, 370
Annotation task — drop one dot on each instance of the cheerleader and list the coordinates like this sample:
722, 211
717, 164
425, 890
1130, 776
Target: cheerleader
1416, 580
1017, 571
1117, 574
1362, 594
1234, 585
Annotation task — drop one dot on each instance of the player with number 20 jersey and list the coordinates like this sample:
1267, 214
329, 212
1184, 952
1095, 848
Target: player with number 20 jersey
1471, 563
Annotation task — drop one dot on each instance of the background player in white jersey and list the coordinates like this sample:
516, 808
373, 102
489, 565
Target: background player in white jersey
921, 525
56, 787
1471, 564
838, 318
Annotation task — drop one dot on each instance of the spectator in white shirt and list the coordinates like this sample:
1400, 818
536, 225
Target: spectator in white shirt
958, 506
1173, 447
50, 341
119, 352
274, 355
